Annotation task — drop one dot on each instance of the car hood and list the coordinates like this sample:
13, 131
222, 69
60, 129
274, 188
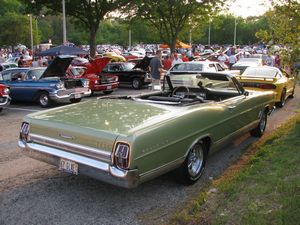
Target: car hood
58, 67
111, 116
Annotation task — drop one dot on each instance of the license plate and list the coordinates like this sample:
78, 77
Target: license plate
68, 166
77, 95
108, 87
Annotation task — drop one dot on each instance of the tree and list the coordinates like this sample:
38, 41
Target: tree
170, 17
13, 22
283, 29
89, 13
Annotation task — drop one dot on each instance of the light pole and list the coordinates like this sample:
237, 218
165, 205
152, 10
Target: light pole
64, 22
234, 35
209, 32
129, 37
31, 35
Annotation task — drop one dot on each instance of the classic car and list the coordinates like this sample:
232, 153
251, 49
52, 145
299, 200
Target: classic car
4, 96
269, 78
5, 66
199, 66
104, 83
46, 86
128, 73
127, 140
243, 63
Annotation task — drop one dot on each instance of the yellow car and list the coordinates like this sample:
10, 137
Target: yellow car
269, 78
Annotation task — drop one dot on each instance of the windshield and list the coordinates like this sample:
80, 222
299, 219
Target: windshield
207, 80
35, 74
260, 72
128, 66
187, 67
78, 71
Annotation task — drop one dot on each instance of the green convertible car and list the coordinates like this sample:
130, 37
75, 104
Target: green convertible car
127, 140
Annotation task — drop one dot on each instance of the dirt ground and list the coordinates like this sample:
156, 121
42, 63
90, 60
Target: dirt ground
32, 192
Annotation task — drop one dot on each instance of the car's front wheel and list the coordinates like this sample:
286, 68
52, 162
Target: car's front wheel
136, 83
194, 164
259, 130
44, 99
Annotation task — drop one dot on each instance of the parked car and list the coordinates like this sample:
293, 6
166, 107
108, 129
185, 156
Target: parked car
128, 73
4, 96
5, 66
199, 66
269, 78
243, 63
104, 83
46, 86
127, 140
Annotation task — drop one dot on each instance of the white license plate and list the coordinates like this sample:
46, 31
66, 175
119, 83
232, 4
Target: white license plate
108, 87
68, 166
77, 95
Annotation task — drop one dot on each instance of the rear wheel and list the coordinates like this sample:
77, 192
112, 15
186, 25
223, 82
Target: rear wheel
136, 83
194, 164
75, 100
44, 99
282, 99
261, 127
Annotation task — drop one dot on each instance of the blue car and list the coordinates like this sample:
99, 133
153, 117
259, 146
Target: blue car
45, 85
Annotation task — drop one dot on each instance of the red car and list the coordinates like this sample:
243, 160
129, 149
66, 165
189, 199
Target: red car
4, 96
91, 71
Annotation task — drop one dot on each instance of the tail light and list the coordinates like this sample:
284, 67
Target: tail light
24, 132
122, 155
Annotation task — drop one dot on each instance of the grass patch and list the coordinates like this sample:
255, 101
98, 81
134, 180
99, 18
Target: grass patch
262, 188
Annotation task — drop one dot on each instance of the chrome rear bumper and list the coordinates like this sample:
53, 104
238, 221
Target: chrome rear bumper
93, 168
62, 95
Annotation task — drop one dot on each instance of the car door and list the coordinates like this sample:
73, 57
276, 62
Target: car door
19, 86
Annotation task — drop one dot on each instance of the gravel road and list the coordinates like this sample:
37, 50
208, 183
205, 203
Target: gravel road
32, 192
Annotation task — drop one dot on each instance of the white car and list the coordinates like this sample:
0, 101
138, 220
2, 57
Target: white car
199, 66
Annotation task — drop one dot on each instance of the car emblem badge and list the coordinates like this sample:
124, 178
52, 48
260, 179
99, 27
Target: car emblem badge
66, 136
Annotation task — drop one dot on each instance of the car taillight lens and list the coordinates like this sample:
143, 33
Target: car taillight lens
24, 132
267, 86
122, 155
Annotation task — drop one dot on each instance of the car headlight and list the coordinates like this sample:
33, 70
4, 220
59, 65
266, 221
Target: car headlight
60, 85
122, 155
24, 132
6, 91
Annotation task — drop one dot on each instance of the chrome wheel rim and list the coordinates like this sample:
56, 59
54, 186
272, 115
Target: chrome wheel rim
44, 99
195, 160
135, 83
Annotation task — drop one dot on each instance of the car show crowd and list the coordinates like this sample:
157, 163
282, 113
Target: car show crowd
114, 65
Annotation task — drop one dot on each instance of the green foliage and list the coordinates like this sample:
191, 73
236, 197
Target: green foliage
284, 28
16, 29
170, 17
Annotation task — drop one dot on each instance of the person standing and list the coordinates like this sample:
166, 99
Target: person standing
156, 68
222, 58
176, 59
232, 60
167, 63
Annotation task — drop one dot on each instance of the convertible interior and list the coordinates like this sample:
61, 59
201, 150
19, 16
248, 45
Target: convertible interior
207, 90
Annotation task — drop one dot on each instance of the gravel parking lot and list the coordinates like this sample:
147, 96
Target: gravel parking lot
32, 192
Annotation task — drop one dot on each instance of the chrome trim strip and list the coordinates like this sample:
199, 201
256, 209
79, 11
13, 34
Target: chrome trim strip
70, 147
98, 170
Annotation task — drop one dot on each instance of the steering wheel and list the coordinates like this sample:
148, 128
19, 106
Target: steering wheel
180, 91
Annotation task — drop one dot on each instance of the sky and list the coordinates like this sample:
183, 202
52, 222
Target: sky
246, 8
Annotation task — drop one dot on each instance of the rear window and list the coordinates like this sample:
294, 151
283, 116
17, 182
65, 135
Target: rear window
187, 67
35, 74
261, 72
